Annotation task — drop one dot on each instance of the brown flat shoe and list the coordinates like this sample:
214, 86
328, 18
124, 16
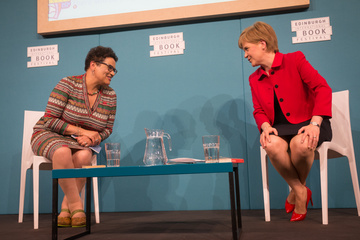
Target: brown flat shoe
78, 221
64, 221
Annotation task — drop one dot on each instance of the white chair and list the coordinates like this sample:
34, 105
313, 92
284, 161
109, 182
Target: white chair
340, 145
30, 160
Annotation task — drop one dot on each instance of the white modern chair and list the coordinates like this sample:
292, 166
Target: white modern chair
30, 160
340, 145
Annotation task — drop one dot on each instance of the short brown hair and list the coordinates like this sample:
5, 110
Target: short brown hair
260, 31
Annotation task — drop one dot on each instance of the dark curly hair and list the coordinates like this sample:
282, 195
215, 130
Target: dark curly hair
99, 53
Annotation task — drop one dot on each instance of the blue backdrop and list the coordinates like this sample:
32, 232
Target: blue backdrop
204, 91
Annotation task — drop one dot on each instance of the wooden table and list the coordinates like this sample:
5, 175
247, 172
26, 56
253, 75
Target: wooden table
173, 169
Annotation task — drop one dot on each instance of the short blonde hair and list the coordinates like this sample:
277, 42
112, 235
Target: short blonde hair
260, 31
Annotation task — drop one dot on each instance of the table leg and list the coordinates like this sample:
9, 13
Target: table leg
88, 205
237, 190
232, 203
54, 208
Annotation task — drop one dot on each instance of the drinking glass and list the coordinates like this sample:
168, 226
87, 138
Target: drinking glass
112, 154
211, 144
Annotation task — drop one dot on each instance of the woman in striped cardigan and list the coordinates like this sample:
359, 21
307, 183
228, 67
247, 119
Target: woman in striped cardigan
80, 113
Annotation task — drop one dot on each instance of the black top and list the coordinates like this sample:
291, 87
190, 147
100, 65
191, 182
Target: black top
285, 128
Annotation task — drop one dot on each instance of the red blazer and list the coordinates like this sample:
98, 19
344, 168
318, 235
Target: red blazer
301, 91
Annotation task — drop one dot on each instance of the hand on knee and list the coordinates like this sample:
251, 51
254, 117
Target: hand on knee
300, 148
278, 146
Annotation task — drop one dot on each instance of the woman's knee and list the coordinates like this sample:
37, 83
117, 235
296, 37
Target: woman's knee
298, 147
62, 158
276, 146
82, 158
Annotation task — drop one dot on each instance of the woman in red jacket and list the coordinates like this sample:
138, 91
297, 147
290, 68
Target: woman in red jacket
292, 107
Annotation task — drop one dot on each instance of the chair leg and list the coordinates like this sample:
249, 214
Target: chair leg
355, 181
96, 199
96, 191
324, 184
22, 193
265, 181
82, 195
36, 194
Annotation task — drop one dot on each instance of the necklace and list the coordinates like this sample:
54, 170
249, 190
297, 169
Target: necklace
94, 93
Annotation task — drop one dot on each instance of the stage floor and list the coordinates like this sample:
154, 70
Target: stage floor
193, 225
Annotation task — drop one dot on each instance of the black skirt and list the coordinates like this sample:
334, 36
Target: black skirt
289, 130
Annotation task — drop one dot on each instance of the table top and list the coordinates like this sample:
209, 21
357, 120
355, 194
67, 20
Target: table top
143, 170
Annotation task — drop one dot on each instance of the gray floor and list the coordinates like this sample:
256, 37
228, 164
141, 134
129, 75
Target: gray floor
194, 225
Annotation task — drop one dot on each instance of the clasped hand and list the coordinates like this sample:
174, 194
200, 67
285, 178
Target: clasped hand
89, 138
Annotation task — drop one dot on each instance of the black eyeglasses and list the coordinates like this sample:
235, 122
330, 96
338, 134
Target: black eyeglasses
110, 68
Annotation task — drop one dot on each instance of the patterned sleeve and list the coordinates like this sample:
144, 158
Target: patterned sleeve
111, 105
55, 107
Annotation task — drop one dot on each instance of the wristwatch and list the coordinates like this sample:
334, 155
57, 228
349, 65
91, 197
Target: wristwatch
315, 124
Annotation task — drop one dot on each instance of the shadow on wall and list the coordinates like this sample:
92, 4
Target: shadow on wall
220, 115
230, 121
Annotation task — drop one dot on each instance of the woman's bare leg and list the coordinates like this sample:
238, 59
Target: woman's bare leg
277, 150
81, 158
64, 158
302, 159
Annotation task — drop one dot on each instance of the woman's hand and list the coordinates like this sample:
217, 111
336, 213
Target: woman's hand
310, 132
93, 136
265, 135
84, 141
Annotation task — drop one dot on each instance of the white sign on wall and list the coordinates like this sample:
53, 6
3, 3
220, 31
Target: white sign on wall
167, 44
311, 30
43, 56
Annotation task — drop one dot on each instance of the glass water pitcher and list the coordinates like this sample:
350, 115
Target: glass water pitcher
155, 153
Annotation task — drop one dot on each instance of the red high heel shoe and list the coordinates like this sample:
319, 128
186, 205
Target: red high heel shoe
289, 207
299, 217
